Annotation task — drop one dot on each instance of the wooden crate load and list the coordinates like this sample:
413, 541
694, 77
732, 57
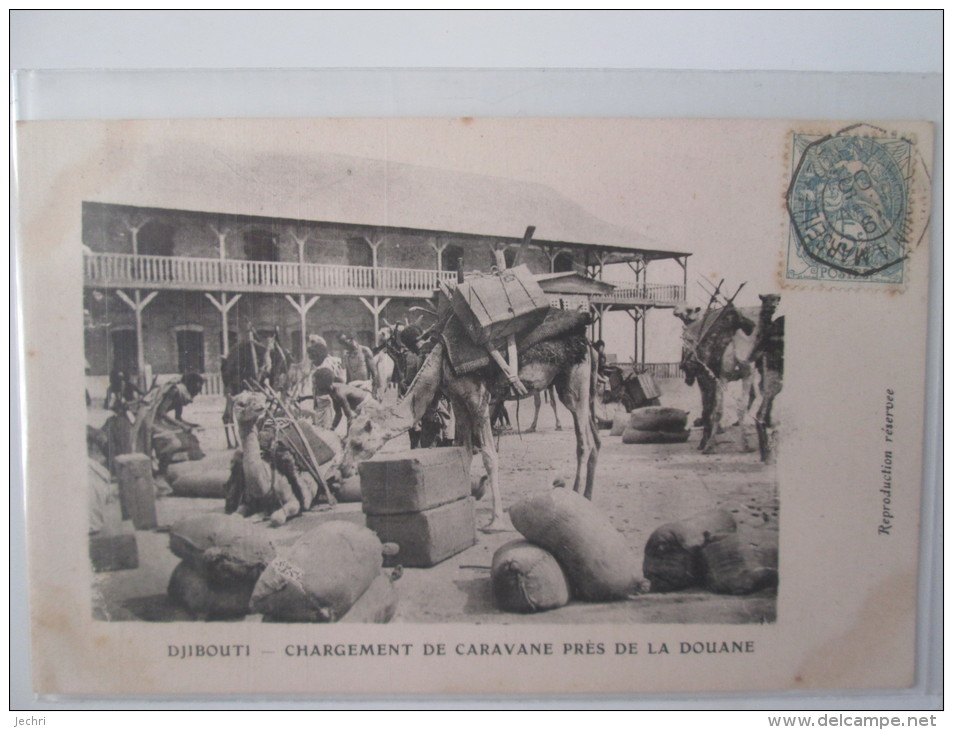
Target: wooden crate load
495, 306
421, 501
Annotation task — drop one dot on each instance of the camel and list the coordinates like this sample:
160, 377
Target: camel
538, 403
283, 492
563, 361
703, 359
768, 356
736, 361
264, 362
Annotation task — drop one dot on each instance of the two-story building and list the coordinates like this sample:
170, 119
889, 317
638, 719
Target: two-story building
171, 289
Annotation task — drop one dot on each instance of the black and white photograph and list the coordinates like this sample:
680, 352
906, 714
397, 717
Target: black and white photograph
334, 397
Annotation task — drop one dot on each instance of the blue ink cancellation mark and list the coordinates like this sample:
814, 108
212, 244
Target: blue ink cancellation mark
848, 204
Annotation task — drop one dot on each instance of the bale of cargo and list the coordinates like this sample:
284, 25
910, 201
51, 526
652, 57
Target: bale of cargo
673, 551
415, 480
527, 579
731, 566
497, 305
593, 554
206, 484
214, 461
377, 605
636, 436
205, 601
223, 548
322, 576
658, 418
428, 537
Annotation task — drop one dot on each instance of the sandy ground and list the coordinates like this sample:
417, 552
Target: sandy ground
638, 486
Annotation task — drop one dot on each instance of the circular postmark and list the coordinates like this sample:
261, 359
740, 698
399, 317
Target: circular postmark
849, 199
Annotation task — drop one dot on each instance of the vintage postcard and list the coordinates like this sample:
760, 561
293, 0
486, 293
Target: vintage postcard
399, 406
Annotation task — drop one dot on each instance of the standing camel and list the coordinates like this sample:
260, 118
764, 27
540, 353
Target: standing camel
703, 358
768, 356
563, 361
735, 362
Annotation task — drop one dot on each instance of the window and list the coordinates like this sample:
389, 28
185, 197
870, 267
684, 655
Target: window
261, 245
125, 351
359, 252
563, 262
155, 239
190, 345
451, 258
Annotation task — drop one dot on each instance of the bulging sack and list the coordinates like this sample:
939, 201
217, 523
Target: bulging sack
208, 484
526, 579
731, 567
635, 436
593, 554
205, 601
223, 548
323, 575
673, 551
658, 418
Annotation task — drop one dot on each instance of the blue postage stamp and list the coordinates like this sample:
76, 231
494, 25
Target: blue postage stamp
849, 202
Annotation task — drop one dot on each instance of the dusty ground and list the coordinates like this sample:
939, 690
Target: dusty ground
639, 486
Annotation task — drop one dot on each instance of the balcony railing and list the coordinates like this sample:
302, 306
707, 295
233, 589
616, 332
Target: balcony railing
629, 293
183, 272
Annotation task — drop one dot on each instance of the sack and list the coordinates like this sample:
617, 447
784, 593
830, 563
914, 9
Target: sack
204, 601
730, 567
593, 554
658, 418
377, 606
635, 436
323, 575
224, 548
214, 461
673, 551
527, 579
209, 484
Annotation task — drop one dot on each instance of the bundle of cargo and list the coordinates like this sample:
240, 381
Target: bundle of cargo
222, 559
704, 550
205, 478
332, 573
564, 529
495, 308
656, 425
420, 500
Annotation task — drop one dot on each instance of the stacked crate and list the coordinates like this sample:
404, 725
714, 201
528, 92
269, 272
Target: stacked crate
421, 501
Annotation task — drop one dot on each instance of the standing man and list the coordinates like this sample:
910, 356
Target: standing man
358, 362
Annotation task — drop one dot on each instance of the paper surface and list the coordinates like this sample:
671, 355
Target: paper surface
831, 216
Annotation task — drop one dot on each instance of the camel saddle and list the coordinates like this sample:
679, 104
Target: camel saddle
466, 356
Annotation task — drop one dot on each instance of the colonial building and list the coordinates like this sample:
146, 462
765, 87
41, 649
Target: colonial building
169, 290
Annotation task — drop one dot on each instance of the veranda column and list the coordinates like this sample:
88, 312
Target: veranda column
137, 303
376, 308
223, 306
302, 307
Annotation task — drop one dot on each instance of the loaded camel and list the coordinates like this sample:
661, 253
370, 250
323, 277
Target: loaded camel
256, 486
263, 362
736, 362
703, 358
768, 357
563, 361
